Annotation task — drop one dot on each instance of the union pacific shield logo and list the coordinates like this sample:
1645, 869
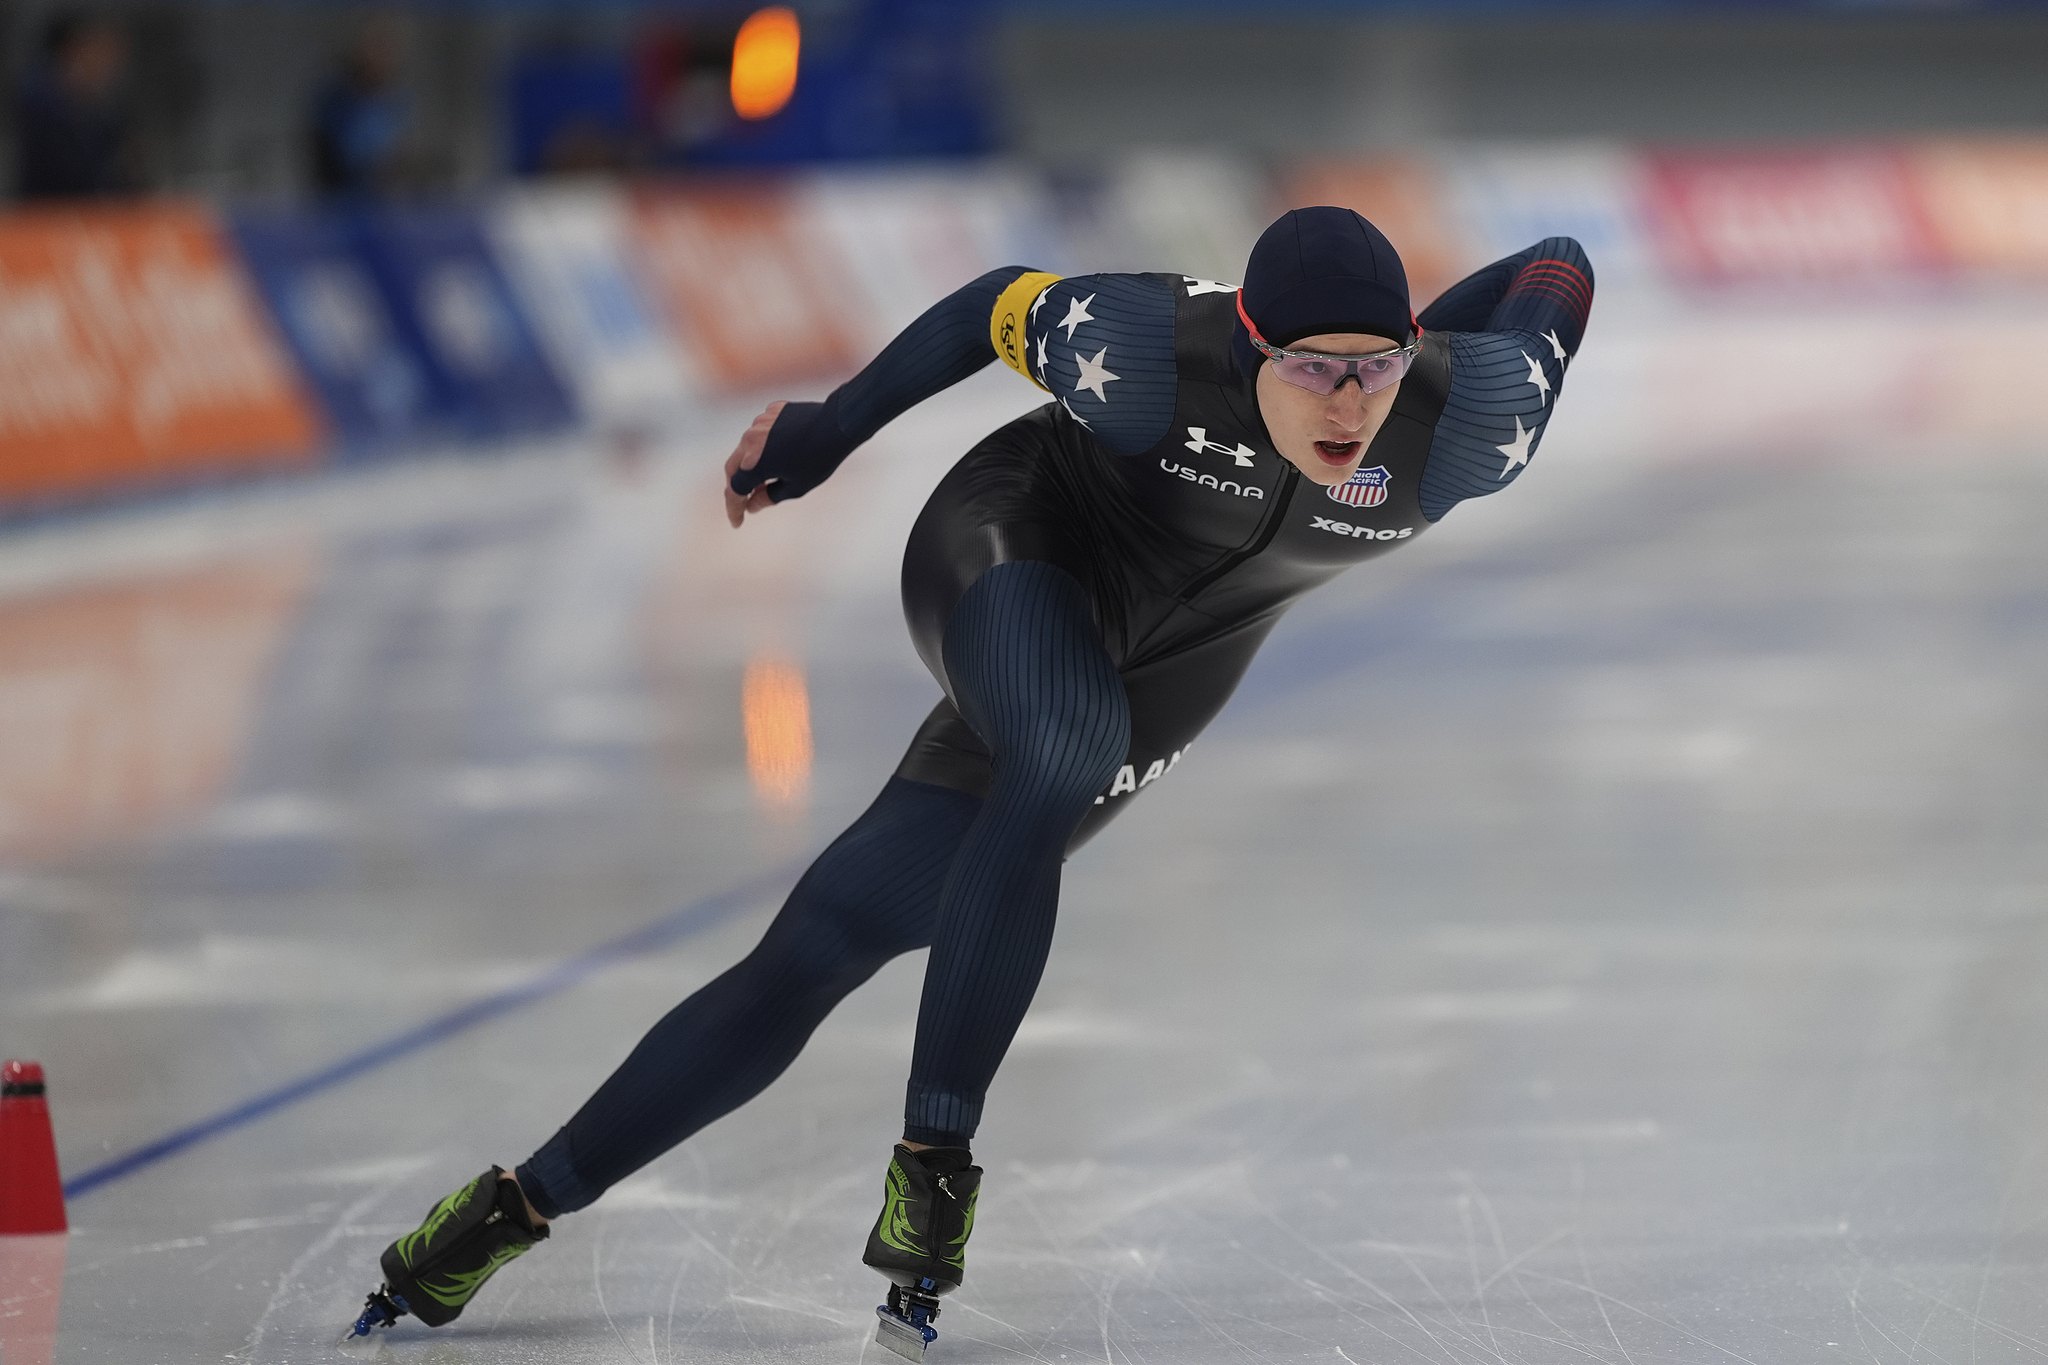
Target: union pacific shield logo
1366, 488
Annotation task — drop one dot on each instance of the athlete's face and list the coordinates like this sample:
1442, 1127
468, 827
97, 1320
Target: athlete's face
1325, 437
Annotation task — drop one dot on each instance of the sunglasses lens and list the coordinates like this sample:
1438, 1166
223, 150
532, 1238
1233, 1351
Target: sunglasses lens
1321, 375
1307, 372
1374, 375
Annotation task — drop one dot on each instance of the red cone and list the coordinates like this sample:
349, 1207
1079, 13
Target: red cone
31, 1196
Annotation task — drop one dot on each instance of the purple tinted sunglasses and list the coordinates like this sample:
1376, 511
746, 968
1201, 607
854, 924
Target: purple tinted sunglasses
1321, 374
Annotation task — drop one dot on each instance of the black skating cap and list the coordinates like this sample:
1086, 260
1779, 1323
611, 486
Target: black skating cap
1322, 270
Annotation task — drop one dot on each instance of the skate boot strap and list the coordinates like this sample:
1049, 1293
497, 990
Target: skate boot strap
941, 1160
464, 1240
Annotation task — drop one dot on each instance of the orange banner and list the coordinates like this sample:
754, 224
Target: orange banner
747, 288
1402, 198
126, 704
1988, 202
131, 347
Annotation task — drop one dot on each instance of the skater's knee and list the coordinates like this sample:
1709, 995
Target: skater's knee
873, 895
829, 937
826, 955
1063, 758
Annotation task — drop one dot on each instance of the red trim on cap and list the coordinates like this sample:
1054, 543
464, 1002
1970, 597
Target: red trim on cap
1259, 337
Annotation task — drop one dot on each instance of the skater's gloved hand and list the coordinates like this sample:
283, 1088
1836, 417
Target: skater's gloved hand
790, 449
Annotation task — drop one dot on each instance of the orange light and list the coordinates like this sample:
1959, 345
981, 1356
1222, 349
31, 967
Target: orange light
764, 62
776, 710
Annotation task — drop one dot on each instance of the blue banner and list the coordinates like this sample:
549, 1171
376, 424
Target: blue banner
372, 381
451, 302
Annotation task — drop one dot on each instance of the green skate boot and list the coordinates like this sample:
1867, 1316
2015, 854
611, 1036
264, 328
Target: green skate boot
434, 1271
920, 1241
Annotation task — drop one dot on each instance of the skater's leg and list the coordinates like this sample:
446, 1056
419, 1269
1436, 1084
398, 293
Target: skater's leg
1030, 674
870, 896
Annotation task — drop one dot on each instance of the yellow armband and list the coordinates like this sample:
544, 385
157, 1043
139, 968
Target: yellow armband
1006, 323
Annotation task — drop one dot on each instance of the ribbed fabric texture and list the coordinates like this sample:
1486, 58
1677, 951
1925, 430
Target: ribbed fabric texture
1502, 320
871, 895
1029, 673
978, 881
1468, 305
1551, 292
947, 343
1547, 286
1117, 325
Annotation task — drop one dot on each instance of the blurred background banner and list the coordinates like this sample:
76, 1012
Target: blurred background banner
569, 251
1821, 213
506, 220
133, 351
1987, 202
371, 378
631, 301
754, 290
451, 301
1500, 197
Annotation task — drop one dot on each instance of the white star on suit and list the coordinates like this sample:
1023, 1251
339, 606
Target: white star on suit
1538, 378
1042, 361
1077, 313
1556, 346
1093, 375
1516, 450
1038, 303
1196, 287
1071, 413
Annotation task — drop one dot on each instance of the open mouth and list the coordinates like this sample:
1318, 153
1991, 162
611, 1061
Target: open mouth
1337, 452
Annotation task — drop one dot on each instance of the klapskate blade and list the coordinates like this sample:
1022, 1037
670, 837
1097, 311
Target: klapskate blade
900, 1337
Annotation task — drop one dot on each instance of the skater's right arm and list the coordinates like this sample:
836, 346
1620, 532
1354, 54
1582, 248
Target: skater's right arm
793, 447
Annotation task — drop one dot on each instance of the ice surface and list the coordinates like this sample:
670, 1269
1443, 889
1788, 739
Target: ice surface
1611, 929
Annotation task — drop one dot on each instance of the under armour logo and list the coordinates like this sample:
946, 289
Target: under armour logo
1199, 287
1202, 442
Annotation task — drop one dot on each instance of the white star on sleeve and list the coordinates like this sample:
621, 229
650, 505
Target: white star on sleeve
1538, 378
1077, 313
1042, 361
1093, 375
1556, 346
1071, 413
1038, 303
1516, 450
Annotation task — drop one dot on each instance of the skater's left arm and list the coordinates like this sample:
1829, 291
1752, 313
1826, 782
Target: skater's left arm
1514, 327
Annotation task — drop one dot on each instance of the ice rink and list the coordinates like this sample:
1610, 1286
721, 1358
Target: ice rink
1611, 929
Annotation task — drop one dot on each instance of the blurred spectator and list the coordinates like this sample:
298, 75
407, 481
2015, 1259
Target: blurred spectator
359, 119
73, 129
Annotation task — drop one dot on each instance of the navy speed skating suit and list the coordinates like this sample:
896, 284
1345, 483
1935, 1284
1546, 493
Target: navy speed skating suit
1088, 585
1152, 482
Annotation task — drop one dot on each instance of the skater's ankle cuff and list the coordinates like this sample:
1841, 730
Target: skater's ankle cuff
536, 1193
553, 1183
936, 1137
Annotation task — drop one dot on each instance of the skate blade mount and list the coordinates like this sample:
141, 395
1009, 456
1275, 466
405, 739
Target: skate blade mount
904, 1323
381, 1309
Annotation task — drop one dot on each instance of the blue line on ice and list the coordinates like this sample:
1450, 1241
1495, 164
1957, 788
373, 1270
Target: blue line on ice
691, 919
